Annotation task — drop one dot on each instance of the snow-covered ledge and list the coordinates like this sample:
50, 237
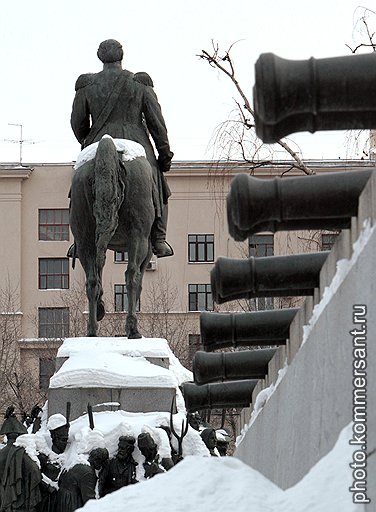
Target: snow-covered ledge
307, 398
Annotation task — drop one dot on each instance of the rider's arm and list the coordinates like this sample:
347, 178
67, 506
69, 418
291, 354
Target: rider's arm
80, 118
157, 128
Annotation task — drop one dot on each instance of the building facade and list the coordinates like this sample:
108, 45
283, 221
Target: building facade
43, 299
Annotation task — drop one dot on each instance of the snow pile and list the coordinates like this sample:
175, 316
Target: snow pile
117, 362
128, 148
210, 484
197, 483
343, 268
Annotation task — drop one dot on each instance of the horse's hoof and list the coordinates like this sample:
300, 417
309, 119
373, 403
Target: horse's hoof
100, 311
134, 335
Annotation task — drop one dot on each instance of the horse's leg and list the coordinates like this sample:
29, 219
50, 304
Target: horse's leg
88, 262
100, 304
138, 257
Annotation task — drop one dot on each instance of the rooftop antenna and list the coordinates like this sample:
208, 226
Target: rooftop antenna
21, 140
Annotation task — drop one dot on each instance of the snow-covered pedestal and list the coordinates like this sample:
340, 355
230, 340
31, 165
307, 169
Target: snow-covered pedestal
115, 373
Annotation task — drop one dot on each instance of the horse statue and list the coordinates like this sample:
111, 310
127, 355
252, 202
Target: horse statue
112, 208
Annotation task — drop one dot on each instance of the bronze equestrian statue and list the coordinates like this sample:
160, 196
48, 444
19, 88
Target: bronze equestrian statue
119, 197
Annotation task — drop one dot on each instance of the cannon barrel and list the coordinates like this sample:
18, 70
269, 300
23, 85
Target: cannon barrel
306, 202
218, 395
256, 328
273, 276
246, 364
334, 93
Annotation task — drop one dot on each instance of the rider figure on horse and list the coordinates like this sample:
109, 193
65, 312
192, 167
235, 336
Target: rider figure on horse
112, 102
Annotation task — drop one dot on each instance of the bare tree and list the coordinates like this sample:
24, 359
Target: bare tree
10, 329
17, 385
236, 137
363, 142
163, 317
363, 32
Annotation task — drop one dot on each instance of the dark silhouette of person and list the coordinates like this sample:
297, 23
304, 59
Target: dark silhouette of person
112, 102
149, 449
77, 485
19, 475
210, 439
49, 466
121, 469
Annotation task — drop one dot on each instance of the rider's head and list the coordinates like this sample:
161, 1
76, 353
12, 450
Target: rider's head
110, 51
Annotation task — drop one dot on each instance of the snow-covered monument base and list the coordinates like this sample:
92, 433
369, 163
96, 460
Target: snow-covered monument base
324, 378
115, 374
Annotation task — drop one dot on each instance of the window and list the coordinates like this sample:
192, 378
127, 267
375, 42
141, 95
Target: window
200, 248
46, 370
200, 297
120, 256
261, 245
53, 273
54, 224
53, 322
121, 298
328, 240
262, 303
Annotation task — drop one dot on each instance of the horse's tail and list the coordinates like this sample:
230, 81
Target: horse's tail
108, 194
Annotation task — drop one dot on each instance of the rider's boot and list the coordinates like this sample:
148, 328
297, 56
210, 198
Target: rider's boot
72, 253
161, 248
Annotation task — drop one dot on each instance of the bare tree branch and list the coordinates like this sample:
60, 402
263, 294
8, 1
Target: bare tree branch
360, 141
226, 65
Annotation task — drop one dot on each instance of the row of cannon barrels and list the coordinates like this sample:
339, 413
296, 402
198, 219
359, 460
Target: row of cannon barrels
307, 95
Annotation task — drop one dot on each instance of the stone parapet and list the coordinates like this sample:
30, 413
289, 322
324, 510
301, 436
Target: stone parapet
300, 420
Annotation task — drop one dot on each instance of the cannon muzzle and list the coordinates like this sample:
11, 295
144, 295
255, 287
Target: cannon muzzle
246, 364
218, 395
316, 94
325, 201
273, 276
256, 328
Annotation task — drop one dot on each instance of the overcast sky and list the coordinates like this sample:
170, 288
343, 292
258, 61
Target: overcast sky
46, 45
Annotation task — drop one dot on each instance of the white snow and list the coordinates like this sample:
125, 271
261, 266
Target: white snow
129, 149
222, 435
343, 268
111, 370
147, 347
56, 421
117, 362
211, 484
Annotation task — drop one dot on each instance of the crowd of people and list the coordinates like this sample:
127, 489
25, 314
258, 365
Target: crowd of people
43, 482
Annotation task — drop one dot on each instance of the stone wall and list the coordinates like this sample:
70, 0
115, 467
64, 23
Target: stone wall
305, 413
